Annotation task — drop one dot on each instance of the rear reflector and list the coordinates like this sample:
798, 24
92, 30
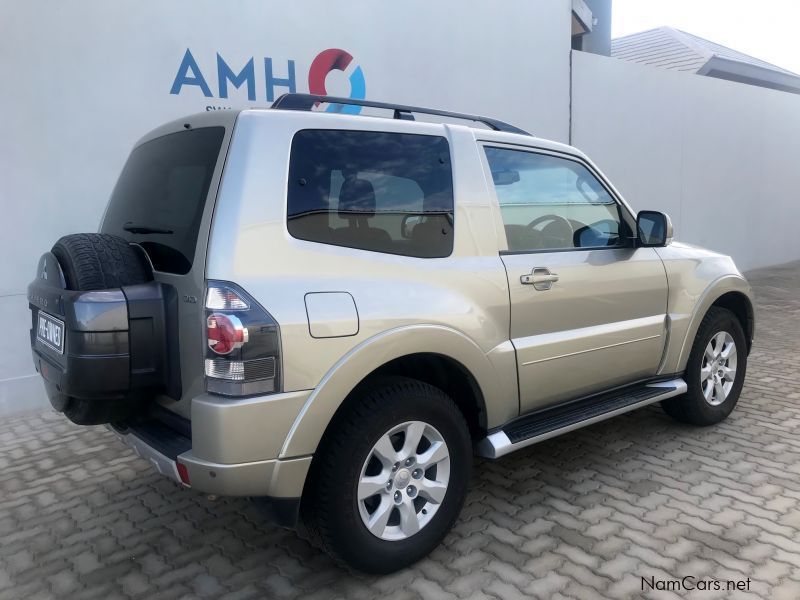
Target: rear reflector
183, 472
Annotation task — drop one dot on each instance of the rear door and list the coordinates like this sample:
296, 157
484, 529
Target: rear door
587, 308
163, 201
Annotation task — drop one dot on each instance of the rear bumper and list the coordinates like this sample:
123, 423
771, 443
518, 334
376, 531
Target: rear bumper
275, 478
166, 442
263, 480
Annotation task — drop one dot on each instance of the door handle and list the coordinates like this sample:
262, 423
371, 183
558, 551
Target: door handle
540, 278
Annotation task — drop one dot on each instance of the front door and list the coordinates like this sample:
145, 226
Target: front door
588, 309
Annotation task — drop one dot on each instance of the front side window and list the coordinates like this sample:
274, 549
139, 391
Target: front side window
378, 191
552, 203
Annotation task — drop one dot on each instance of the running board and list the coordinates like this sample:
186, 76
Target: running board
550, 422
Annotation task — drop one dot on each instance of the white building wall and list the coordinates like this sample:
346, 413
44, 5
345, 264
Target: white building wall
84, 80
721, 158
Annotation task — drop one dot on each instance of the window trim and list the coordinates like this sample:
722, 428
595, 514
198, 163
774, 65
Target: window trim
352, 248
626, 213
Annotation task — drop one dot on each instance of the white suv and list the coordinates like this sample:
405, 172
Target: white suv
332, 312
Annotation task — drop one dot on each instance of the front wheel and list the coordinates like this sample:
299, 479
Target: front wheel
715, 372
390, 479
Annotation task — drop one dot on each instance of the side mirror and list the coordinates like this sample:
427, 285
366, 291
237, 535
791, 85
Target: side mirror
654, 229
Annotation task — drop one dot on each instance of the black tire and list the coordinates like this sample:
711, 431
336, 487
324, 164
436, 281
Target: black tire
331, 512
99, 261
692, 407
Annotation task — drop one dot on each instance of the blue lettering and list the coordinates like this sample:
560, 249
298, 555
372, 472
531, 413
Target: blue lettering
273, 82
188, 64
225, 74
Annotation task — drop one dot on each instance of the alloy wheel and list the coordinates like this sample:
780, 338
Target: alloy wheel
718, 369
403, 480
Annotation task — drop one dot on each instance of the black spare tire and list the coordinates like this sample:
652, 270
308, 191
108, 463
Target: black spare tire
99, 261
89, 262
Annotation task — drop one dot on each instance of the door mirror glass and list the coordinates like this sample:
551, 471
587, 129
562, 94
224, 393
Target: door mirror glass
654, 229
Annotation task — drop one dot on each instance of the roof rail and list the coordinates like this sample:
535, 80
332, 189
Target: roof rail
401, 111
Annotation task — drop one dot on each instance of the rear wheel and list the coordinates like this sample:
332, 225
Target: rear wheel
389, 481
715, 372
99, 261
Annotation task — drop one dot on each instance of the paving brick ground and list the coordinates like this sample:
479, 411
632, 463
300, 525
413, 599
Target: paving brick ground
586, 515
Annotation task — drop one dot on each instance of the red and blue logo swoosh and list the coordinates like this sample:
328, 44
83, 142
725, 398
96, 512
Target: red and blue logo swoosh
335, 59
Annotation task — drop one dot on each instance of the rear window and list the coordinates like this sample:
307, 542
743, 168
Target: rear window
378, 191
159, 198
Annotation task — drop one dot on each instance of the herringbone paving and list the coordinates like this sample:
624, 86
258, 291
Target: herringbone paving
586, 515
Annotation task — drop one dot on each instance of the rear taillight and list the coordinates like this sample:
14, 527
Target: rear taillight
242, 343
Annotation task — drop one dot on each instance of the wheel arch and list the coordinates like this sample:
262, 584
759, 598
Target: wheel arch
483, 385
731, 293
741, 306
440, 371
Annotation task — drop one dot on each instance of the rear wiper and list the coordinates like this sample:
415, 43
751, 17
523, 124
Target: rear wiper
129, 226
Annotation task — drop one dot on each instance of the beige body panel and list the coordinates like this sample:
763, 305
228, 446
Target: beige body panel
600, 325
231, 430
697, 278
494, 372
274, 478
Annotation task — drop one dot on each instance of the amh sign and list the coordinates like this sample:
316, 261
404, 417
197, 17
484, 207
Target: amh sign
332, 59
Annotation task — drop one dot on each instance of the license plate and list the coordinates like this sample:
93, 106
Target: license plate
50, 332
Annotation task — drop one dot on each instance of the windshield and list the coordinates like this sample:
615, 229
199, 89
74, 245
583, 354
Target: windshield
159, 198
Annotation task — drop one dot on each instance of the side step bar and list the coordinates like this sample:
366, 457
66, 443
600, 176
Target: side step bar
550, 422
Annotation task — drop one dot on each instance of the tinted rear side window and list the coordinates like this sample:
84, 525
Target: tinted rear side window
385, 192
159, 198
